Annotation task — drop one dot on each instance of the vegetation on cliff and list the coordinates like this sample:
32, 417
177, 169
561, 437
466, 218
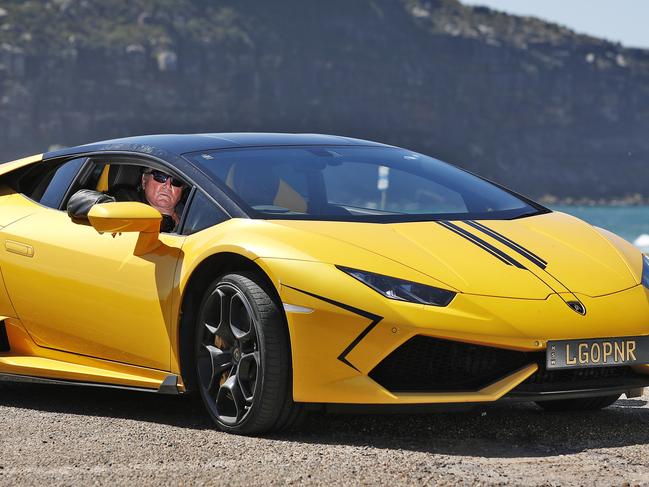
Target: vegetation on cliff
530, 104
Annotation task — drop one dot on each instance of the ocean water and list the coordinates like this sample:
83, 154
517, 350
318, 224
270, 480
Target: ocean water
629, 222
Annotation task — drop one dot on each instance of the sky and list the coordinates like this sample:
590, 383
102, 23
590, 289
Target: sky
623, 21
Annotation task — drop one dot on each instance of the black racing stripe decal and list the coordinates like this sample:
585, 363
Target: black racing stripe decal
486, 246
365, 314
473, 240
528, 254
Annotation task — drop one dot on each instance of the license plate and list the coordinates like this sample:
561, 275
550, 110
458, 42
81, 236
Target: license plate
598, 352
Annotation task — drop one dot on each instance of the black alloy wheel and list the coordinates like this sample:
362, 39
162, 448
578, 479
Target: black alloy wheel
243, 356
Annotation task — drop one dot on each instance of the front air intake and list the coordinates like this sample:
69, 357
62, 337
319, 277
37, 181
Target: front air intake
425, 364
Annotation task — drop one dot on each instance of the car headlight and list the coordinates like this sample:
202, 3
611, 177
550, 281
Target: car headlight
401, 290
645, 270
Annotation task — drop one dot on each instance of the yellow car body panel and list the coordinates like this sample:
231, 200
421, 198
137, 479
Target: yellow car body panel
363, 390
125, 217
105, 301
29, 359
13, 207
581, 259
6, 307
318, 337
101, 311
7, 167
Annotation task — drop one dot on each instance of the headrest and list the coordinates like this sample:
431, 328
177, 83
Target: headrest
121, 174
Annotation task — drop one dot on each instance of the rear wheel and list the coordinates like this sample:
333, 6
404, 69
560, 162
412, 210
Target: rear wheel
243, 356
580, 404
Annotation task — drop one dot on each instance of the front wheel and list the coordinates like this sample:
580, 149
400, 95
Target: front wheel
243, 356
579, 404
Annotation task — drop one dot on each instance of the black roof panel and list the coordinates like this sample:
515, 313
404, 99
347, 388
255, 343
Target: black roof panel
177, 144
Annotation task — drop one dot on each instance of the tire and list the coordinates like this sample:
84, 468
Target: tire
243, 357
580, 404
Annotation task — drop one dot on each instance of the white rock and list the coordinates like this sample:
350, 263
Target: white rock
642, 241
420, 12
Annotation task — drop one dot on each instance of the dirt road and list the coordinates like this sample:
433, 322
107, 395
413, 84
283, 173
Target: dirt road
57, 435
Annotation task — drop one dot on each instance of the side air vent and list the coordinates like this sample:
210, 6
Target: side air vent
4, 339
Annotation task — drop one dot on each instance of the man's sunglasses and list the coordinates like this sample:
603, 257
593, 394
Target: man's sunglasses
161, 177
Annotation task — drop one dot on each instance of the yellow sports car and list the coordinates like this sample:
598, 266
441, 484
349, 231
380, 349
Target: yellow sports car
277, 273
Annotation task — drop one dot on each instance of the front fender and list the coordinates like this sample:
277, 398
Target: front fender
629, 252
258, 240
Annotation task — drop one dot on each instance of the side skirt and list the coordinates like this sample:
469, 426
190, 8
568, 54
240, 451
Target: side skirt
168, 386
25, 359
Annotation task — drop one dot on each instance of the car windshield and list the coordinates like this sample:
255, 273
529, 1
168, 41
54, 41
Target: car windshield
355, 183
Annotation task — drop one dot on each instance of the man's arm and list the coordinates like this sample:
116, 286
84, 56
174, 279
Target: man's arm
80, 202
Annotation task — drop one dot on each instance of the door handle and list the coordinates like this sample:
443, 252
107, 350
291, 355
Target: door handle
19, 248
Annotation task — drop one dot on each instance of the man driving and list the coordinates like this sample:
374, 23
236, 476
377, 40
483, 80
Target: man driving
163, 192
157, 188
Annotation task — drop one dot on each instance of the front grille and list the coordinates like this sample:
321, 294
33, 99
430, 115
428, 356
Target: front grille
425, 364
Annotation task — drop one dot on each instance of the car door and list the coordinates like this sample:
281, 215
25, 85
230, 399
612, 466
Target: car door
83, 292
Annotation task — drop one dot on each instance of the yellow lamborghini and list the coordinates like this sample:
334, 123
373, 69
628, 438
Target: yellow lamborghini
309, 272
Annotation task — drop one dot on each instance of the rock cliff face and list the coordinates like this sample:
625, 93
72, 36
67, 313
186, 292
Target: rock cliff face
529, 104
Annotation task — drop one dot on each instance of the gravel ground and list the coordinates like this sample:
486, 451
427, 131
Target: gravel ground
58, 435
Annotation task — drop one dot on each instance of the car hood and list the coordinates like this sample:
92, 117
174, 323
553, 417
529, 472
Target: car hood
530, 257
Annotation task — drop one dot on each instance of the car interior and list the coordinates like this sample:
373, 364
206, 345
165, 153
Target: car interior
263, 189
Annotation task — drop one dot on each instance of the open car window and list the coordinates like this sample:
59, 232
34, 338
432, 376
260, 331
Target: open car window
122, 180
377, 184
